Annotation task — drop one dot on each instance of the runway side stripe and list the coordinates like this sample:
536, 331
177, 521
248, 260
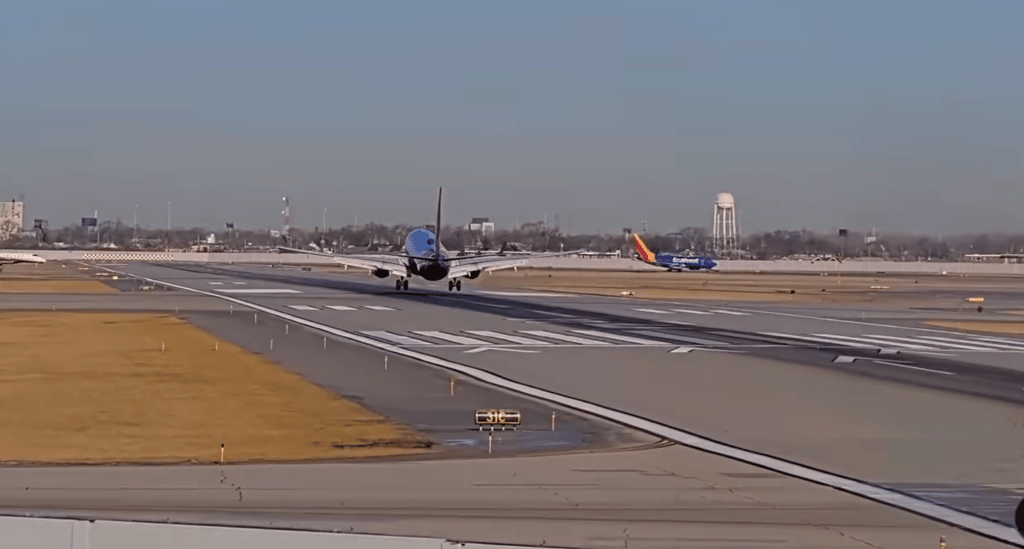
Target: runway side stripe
692, 312
452, 338
969, 522
655, 311
618, 337
724, 312
507, 337
395, 338
378, 308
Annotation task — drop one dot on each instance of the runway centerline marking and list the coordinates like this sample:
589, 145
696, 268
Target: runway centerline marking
906, 502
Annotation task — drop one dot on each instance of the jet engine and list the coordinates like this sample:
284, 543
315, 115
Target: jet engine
381, 273
473, 274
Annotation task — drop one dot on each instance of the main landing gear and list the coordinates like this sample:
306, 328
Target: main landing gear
401, 284
456, 284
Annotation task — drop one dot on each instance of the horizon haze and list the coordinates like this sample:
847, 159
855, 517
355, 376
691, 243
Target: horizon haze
904, 117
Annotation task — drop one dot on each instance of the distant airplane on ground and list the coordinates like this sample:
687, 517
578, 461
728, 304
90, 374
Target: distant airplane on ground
670, 261
9, 258
428, 259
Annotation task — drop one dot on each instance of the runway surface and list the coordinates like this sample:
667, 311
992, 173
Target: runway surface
864, 393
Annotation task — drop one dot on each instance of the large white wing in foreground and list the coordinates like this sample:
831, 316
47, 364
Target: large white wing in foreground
394, 263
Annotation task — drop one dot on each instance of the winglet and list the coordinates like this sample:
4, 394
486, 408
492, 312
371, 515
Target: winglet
437, 227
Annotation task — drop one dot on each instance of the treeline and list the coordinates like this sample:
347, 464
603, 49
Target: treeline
536, 237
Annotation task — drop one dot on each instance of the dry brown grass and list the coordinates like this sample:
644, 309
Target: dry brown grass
981, 326
55, 287
95, 387
54, 277
705, 286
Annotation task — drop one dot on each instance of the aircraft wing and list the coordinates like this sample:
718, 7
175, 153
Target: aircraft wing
462, 267
368, 261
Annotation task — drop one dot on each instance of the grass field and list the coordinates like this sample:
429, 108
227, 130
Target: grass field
96, 388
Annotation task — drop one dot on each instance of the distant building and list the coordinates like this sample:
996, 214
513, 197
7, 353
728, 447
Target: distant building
12, 219
481, 225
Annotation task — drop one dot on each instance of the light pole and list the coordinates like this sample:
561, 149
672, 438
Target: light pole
168, 246
323, 227
135, 233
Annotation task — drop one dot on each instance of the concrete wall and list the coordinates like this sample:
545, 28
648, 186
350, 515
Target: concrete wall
609, 264
40, 533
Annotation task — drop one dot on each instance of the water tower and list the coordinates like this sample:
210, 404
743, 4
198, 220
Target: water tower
726, 232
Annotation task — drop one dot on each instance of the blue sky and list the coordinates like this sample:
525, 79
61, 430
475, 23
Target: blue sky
904, 115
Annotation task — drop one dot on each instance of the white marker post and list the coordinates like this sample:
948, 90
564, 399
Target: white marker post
325, 342
231, 309
162, 346
222, 452
552, 421
489, 435
453, 387
285, 329
216, 345
254, 318
385, 362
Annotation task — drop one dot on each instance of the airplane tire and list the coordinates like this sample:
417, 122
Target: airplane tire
450, 285
398, 285
405, 284
458, 285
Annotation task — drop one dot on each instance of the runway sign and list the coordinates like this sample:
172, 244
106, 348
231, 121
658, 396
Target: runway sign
503, 418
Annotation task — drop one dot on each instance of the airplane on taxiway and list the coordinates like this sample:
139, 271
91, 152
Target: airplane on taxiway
424, 256
9, 258
671, 262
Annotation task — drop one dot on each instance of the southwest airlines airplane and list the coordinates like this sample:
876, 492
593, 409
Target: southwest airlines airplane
428, 259
9, 258
670, 261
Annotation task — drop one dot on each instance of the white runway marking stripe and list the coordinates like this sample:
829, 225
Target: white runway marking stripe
692, 312
523, 294
340, 307
957, 344
452, 338
862, 488
877, 341
675, 337
563, 337
507, 337
1015, 343
656, 311
627, 339
395, 338
240, 283
216, 283
261, 291
819, 339
737, 313
908, 366
378, 308
303, 308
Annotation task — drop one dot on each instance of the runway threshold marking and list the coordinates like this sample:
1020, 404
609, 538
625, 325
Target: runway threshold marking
906, 502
